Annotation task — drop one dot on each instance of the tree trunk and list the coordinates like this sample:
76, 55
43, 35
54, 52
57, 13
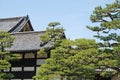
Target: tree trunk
62, 78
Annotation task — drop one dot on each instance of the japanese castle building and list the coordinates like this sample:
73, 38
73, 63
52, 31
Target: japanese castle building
27, 42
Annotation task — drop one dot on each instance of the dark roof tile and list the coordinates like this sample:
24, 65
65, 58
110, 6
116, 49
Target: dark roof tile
26, 41
8, 23
14, 24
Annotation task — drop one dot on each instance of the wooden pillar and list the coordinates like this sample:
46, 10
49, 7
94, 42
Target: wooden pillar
35, 66
23, 58
10, 70
11, 65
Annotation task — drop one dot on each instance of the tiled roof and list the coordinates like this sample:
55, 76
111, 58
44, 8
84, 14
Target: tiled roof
14, 24
24, 41
7, 24
27, 41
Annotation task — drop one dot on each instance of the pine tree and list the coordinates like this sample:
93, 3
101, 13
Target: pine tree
108, 33
84, 59
53, 35
70, 59
6, 41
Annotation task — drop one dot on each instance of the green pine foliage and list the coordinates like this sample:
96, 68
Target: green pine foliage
6, 41
54, 33
70, 59
108, 34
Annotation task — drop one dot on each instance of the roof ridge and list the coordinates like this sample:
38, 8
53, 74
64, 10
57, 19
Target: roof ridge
19, 21
27, 32
12, 18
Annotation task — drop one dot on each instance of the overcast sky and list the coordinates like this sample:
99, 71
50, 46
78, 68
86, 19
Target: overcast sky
72, 14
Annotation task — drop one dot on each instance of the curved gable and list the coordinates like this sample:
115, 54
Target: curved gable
16, 24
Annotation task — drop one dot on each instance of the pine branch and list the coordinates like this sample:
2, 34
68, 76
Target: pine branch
110, 16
